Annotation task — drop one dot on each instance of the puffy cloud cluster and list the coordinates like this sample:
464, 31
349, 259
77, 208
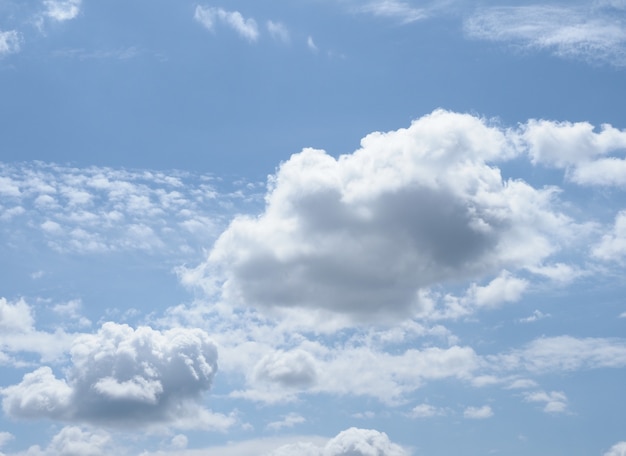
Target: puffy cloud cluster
619, 449
361, 234
62, 10
120, 376
351, 442
99, 209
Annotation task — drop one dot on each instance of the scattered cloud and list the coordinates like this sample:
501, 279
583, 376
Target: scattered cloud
586, 33
10, 42
62, 10
121, 377
536, 315
210, 16
478, 413
555, 401
311, 44
288, 421
426, 411
278, 31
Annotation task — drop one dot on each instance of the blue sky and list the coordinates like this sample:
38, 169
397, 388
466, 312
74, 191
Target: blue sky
325, 227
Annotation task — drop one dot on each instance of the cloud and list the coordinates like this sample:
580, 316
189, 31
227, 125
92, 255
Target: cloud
362, 234
289, 369
394, 9
582, 152
478, 413
589, 34
9, 44
555, 401
351, 442
565, 353
278, 31
209, 16
99, 210
121, 377
288, 421
5, 437
536, 315
18, 333
619, 449
612, 247
426, 411
311, 44
62, 10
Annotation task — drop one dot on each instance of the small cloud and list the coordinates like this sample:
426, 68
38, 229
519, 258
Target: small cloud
536, 315
555, 401
209, 16
478, 413
62, 10
394, 9
522, 383
278, 31
288, 421
311, 44
426, 411
9, 44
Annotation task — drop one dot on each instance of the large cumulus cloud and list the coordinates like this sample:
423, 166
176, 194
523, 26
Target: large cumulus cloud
120, 376
361, 234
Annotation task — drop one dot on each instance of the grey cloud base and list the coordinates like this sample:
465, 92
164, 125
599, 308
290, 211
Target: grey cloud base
363, 234
120, 376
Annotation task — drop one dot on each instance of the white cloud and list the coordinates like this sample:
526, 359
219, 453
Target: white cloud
589, 34
15, 317
278, 31
478, 413
577, 148
9, 44
122, 377
351, 442
555, 401
62, 10
5, 437
536, 315
362, 234
426, 411
395, 9
289, 369
288, 421
209, 16
612, 247
619, 449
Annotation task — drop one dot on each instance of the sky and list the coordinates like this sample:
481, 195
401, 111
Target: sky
318, 228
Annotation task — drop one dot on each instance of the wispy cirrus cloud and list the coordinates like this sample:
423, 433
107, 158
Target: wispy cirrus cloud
591, 34
394, 9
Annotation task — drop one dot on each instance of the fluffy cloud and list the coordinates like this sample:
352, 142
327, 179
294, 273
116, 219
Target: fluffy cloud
9, 44
555, 401
208, 16
120, 376
619, 449
278, 31
426, 411
361, 234
591, 34
577, 148
351, 442
289, 369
